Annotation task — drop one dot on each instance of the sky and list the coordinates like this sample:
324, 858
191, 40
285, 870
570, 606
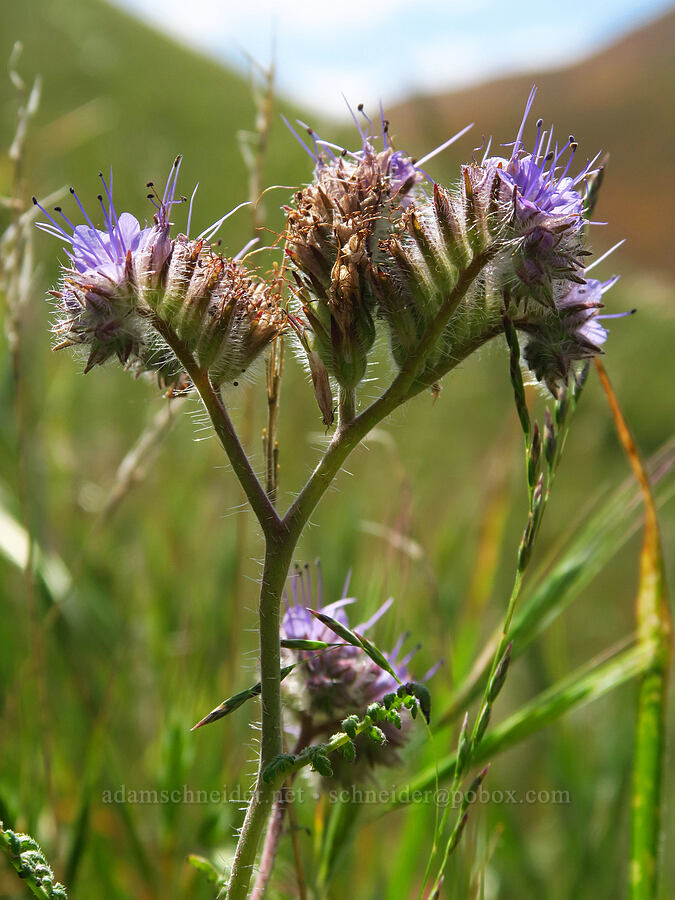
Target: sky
392, 49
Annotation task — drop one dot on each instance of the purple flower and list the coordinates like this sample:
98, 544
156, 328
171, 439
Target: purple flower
539, 181
122, 279
114, 252
556, 342
342, 681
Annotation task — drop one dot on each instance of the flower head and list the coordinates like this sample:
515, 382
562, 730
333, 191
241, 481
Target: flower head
123, 280
540, 181
555, 342
335, 229
511, 236
342, 681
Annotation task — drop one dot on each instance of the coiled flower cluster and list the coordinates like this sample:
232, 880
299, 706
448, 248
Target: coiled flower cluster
339, 682
333, 230
512, 238
127, 286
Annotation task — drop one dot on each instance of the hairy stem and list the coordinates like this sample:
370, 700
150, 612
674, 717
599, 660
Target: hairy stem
281, 537
261, 504
346, 407
277, 561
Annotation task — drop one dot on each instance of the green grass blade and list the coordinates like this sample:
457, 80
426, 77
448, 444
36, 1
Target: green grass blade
654, 629
583, 686
593, 542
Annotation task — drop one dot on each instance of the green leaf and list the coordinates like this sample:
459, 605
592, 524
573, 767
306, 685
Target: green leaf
236, 700
339, 629
206, 866
377, 656
300, 644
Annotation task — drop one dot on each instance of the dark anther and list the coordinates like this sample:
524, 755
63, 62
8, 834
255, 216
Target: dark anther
35, 201
540, 122
99, 196
360, 107
57, 209
571, 139
149, 184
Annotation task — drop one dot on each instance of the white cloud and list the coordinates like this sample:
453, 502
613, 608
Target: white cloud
388, 48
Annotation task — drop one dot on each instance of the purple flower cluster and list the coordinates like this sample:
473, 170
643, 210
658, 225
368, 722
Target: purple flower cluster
548, 222
574, 333
123, 279
520, 223
342, 681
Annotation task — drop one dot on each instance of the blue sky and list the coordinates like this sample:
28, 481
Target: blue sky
391, 49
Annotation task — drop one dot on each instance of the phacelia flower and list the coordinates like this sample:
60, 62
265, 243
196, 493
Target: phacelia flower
511, 236
548, 203
334, 232
125, 282
556, 341
339, 682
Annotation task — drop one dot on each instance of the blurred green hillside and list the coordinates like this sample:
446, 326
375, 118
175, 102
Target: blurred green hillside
100, 682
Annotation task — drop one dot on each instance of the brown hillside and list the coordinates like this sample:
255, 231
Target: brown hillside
621, 100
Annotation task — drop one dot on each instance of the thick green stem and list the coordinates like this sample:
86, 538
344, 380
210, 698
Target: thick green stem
277, 561
346, 407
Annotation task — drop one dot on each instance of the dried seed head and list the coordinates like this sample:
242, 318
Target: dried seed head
333, 229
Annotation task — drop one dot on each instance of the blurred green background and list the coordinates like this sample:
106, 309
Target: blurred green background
100, 681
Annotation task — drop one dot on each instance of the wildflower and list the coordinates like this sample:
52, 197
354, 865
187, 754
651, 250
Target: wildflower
342, 681
548, 209
512, 236
125, 283
334, 232
556, 342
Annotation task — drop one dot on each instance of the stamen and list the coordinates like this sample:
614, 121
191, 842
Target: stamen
91, 224
356, 121
573, 148
115, 233
299, 139
596, 262
189, 218
385, 126
109, 229
310, 131
59, 229
444, 145
540, 123
367, 118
